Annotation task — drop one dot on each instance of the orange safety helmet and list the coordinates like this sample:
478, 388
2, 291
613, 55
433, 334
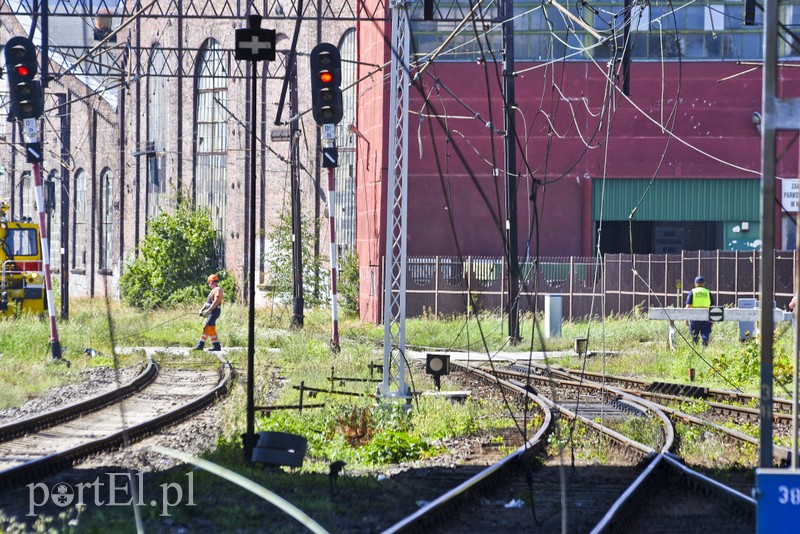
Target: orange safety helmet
212, 278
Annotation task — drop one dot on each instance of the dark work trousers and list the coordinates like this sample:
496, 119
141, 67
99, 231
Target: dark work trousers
700, 329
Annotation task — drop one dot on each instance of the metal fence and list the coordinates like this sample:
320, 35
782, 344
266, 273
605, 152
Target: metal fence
445, 285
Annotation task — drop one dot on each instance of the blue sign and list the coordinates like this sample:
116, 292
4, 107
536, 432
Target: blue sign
777, 501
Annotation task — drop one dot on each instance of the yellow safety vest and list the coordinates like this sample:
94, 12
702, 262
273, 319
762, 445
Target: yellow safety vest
701, 297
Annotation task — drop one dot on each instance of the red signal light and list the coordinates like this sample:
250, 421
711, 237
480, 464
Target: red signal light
22, 70
326, 77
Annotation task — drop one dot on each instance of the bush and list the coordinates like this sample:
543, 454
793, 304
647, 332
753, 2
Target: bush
392, 446
278, 262
348, 283
175, 258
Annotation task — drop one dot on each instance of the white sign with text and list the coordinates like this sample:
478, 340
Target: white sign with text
790, 187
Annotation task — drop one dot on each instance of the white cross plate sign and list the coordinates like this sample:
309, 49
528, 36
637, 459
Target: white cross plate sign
255, 45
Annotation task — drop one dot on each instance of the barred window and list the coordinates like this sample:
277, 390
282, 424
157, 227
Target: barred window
106, 254
659, 30
27, 198
211, 140
345, 198
156, 132
79, 232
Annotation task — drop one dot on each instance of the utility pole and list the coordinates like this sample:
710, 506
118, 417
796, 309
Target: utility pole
253, 44
773, 486
511, 175
297, 240
769, 125
63, 112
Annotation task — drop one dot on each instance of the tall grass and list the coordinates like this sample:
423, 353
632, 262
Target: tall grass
629, 345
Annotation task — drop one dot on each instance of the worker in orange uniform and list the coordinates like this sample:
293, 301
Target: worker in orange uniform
211, 310
700, 297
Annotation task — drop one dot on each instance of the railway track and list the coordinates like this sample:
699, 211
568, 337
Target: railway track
716, 413
41, 445
547, 494
724, 401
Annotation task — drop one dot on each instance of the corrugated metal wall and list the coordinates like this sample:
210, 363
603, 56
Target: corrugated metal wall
677, 199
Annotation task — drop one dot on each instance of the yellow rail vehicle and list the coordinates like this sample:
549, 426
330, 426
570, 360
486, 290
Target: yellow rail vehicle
22, 287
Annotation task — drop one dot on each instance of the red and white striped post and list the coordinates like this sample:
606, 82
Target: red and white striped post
330, 160
334, 261
34, 155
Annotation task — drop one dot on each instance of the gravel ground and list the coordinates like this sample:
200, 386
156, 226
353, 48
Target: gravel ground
96, 380
410, 481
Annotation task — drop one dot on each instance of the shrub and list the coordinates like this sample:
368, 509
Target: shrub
278, 262
348, 283
175, 258
392, 446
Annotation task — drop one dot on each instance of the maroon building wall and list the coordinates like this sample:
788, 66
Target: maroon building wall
373, 96
682, 120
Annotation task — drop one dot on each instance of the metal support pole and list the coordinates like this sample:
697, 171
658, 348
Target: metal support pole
55, 345
297, 241
45, 44
249, 437
768, 137
511, 176
64, 114
626, 48
394, 300
796, 353
33, 149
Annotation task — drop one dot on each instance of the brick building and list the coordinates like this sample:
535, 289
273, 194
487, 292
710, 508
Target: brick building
672, 166
161, 111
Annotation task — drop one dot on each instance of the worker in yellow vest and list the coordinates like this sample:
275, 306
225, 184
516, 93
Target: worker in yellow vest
700, 297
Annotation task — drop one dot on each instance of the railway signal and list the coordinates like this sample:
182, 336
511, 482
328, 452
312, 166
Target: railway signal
326, 79
27, 101
327, 109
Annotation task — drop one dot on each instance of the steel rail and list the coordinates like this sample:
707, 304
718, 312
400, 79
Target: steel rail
627, 502
56, 462
536, 443
645, 406
718, 394
79, 409
781, 455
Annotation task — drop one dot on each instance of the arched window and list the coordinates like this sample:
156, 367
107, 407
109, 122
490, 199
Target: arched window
52, 197
345, 198
27, 198
5, 186
106, 248
79, 229
211, 134
156, 131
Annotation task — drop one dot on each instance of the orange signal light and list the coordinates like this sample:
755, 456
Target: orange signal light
326, 77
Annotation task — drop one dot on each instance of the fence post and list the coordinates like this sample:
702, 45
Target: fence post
699, 262
736, 277
436, 286
619, 284
683, 276
502, 282
666, 280
717, 282
469, 286
649, 278
633, 282
571, 280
